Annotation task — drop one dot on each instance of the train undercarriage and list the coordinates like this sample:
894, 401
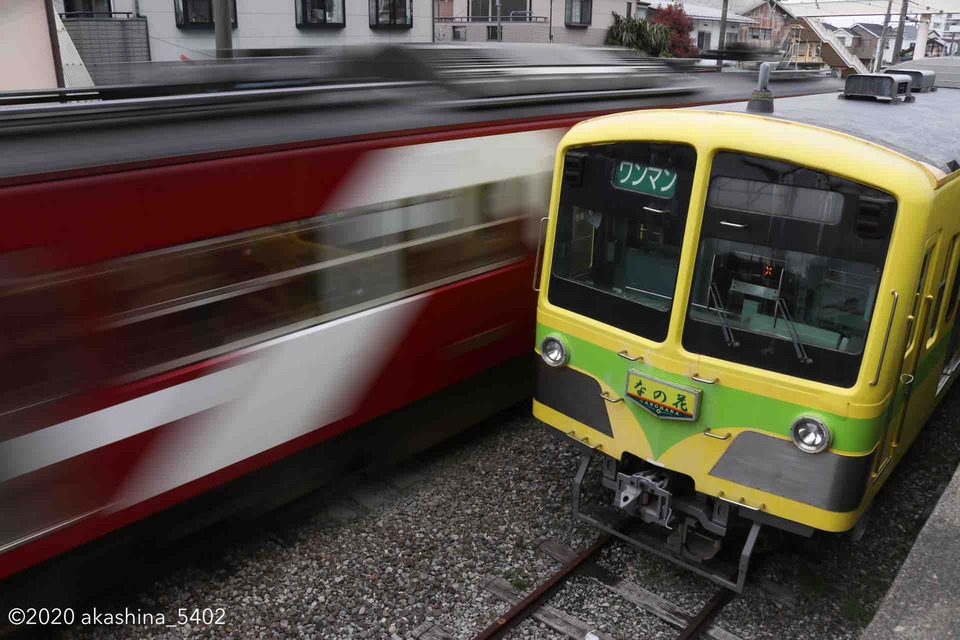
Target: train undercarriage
660, 511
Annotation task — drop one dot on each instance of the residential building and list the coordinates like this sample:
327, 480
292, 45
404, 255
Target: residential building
863, 44
706, 24
772, 25
176, 29
936, 46
843, 35
812, 43
948, 26
582, 22
866, 36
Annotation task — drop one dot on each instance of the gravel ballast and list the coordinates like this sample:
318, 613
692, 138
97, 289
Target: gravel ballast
391, 555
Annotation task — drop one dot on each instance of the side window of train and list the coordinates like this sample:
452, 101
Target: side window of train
918, 297
949, 266
187, 303
955, 286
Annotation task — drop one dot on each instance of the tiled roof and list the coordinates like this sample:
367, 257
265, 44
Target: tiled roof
871, 28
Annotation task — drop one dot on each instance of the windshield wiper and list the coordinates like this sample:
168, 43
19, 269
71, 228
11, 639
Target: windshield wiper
792, 330
721, 313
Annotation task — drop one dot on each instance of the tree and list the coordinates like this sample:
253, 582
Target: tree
639, 35
680, 25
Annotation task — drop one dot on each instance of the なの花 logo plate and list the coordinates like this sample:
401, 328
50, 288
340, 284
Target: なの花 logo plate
663, 399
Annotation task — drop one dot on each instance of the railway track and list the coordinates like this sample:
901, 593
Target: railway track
535, 604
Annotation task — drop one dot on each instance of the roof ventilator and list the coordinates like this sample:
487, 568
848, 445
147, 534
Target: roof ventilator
884, 87
922, 80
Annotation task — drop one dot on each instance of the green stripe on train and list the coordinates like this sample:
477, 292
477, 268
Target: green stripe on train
721, 406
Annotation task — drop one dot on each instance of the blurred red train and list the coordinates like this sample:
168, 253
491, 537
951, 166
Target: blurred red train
197, 286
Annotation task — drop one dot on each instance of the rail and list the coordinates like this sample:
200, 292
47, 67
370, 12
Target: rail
526, 607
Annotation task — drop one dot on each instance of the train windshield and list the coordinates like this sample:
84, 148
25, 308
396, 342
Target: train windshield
788, 268
623, 208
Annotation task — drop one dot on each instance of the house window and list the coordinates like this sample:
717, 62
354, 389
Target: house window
510, 10
391, 14
86, 7
198, 14
459, 33
703, 40
760, 34
731, 38
629, 9
577, 13
320, 13
492, 32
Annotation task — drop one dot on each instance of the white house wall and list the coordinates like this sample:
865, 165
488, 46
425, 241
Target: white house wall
270, 24
26, 53
713, 27
595, 34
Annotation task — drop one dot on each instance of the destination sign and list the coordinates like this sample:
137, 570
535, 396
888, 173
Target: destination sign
640, 178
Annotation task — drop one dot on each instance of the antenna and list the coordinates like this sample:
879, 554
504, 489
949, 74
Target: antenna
761, 100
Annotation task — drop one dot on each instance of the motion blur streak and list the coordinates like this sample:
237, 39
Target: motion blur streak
71, 438
298, 383
221, 281
392, 174
225, 349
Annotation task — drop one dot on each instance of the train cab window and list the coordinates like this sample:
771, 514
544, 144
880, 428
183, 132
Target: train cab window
623, 209
788, 268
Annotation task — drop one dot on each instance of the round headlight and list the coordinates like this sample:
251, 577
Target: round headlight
810, 435
553, 351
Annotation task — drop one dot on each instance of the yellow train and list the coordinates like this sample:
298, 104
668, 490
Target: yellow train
749, 318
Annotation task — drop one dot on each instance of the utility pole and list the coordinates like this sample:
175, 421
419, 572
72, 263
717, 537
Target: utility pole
882, 42
222, 28
923, 32
898, 41
550, 27
723, 35
499, 24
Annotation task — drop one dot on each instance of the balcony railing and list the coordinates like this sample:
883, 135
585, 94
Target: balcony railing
488, 19
96, 14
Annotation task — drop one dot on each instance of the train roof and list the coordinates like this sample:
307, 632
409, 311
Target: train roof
926, 130
190, 110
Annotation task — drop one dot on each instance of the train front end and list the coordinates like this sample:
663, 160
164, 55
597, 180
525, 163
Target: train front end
715, 304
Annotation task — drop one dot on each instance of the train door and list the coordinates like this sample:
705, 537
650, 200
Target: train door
916, 332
